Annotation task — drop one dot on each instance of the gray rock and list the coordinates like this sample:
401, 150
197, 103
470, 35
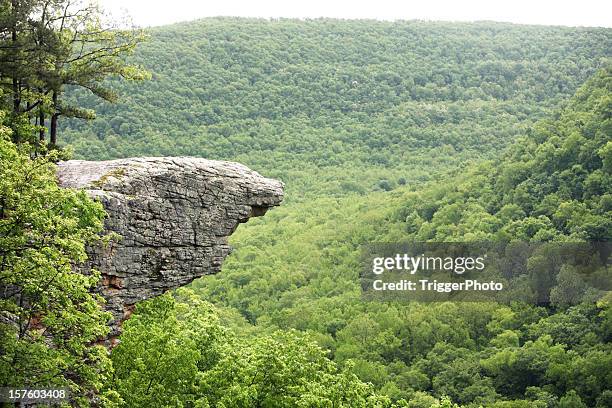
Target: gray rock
174, 215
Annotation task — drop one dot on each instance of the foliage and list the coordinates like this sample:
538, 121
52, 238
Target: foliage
375, 128
176, 353
337, 107
552, 184
297, 268
50, 319
46, 45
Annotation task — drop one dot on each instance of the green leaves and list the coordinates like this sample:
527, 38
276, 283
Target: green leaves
549, 186
335, 107
176, 350
50, 317
48, 45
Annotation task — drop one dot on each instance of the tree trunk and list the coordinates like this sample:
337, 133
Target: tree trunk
54, 117
41, 123
53, 130
16, 98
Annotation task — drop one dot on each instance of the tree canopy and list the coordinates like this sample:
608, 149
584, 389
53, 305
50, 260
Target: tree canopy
382, 132
50, 318
337, 107
47, 45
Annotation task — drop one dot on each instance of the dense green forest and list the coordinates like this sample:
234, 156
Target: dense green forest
299, 267
382, 132
336, 107
463, 95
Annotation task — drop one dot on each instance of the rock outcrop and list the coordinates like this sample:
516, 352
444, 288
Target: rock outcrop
173, 216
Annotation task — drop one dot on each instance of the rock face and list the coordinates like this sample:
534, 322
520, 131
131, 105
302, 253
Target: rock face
173, 215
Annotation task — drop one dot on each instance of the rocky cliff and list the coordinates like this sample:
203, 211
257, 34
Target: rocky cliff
173, 216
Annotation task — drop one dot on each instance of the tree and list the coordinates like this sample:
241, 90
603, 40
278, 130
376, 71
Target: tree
50, 44
571, 400
570, 288
174, 351
50, 319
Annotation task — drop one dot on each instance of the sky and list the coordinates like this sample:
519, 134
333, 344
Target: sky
594, 13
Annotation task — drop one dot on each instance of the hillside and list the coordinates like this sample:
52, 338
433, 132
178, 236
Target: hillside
336, 107
494, 135
299, 268
552, 184
381, 132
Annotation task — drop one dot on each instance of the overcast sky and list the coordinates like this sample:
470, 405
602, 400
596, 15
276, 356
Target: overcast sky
559, 12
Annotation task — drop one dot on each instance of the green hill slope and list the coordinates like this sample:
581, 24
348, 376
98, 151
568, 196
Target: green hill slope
553, 184
298, 268
344, 111
337, 107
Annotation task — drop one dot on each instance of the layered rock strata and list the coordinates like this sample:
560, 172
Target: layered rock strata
172, 216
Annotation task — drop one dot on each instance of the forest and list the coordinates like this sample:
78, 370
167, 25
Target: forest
382, 132
338, 107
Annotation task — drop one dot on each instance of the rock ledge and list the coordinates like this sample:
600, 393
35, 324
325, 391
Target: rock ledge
174, 215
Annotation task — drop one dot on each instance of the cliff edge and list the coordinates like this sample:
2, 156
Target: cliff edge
173, 216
